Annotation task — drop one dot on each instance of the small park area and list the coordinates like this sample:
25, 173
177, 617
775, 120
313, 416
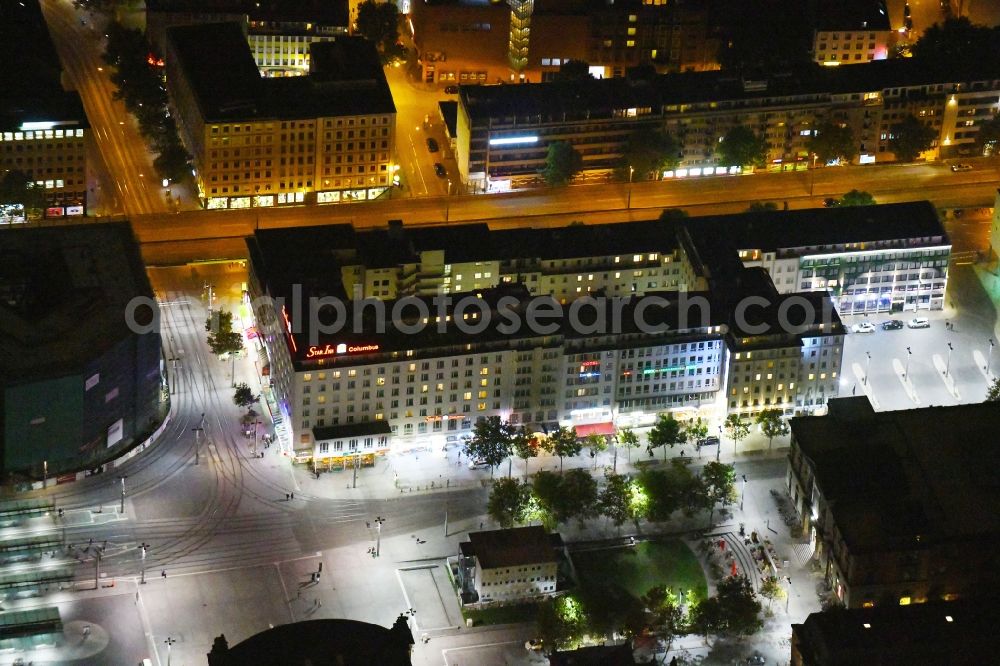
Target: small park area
636, 569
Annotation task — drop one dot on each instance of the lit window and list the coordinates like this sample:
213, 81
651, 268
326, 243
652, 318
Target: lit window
904, 601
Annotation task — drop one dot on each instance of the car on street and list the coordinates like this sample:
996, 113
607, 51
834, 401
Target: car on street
478, 464
451, 90
919, 322
961, 167
711, 440
863, 327
892, 325
440, 170
830, 202
432, 144
534, 645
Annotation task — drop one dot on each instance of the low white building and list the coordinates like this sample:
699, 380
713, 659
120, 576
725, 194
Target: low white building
509, 565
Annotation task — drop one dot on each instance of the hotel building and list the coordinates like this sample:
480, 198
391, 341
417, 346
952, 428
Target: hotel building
435, 382
852, 32
504, 131
327, 137
43, 128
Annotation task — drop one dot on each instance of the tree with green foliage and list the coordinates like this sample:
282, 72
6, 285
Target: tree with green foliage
762, 207
562, 163
558, 623
626, 437
173, 162
910, 138
578, 496
695, 430
222, 339
647, 153
739, 606
545, 490
857, 198
524, 446
508, 502
831, 141
771, 589
772, 424
719, 483
664, 613
665, 432
988, 136
597, 445
736, 428
491, 442
663, 498
993, 392
707, 617
615, 500
955, 44
378, 22
741, 147
564, 443
243, 396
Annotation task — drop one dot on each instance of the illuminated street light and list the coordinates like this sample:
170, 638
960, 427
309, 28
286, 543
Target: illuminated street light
947, 366
906, 371
989, 359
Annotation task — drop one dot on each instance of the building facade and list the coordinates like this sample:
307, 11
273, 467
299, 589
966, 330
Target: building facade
611, 371
501, 566
894, 503
251, 148
504, 131
44, 131
79, 383
852, 32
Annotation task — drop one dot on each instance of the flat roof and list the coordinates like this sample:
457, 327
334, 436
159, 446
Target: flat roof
326, 12
351, 430
952, 632
512, 547
215, 57
891, 477
31, 85
63, 294
849, 15
560, 102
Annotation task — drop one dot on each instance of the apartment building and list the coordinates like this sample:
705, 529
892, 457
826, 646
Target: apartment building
475, 41
518, 564
852, 32
251, 147
504, 131
43, 128
897, 504
279, 32
597, 364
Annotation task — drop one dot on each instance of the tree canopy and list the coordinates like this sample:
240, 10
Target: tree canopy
647, 153
988, 137
910, 138
562, 162
222, 339
857, 198
563, 442
665, 432
955, 45
831, 141
508, 502
491, 441
772, 424
378, 22
993, 392
741, 147
243, 395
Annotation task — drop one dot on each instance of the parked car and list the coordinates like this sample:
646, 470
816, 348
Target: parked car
535, 644
961, 167
919, 322
892, 325
432, 144
711, 440
863, 327
830, 202
440, 170
478, 464
451, 90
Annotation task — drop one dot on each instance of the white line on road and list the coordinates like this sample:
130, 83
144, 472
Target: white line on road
406, 598
284, 589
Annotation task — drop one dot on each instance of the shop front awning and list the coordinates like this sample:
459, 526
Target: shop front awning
607, 428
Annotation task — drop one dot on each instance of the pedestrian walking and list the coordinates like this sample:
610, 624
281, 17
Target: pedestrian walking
292, 495
480, 525
287, 496
164, 573
86, 630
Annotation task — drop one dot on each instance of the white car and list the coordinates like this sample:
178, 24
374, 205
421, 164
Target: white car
919, 322
961, 167
534, 645
864, 327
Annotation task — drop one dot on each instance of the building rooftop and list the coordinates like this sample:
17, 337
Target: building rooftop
347, 78
852, 15
943, 632
352, 430
63, 294
31, 91
894, 479
557, 102
512, 547
326, 12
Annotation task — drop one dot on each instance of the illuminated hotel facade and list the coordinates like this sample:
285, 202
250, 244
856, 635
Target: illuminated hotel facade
327, 137
339, 394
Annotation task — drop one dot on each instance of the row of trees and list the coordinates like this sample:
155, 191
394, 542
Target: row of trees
138, 76
654, 495
563, 622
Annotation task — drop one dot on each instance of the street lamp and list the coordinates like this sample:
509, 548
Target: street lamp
868, 365
378, 535
788, 594
197, 440
142, 571
947, 366
170, 642
631, 171
906, 370
209, 287
743, 491
122, 509
718, 449
989, 359
45, 474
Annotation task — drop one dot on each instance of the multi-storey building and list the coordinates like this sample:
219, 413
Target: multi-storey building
279, 32
596, 364
474, 41
852, 32
897, 504
504, 131
253, 147
43, 129
509, 565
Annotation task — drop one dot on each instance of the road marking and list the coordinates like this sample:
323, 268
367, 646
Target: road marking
406, 598
146, 626
281, 579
